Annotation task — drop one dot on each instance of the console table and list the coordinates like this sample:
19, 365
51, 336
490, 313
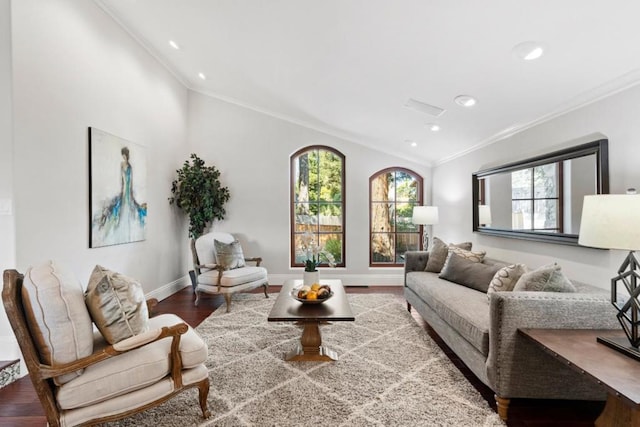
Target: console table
619, 374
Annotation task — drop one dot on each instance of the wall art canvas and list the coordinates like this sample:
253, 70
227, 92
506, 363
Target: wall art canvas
118, 190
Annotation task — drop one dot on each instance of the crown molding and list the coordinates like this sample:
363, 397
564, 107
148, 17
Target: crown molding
322, 129
605, 90
142, 42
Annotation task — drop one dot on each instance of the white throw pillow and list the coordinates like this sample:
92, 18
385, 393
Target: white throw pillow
57, 317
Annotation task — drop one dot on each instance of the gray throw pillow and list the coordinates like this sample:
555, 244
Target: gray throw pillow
506, 278
477, 256
229, 255
439, 252
469, 273
548, 278
117, 305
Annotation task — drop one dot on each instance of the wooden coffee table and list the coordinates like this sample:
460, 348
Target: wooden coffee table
335, 309
617, 372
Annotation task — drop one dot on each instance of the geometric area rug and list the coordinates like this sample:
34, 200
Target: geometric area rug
389, 373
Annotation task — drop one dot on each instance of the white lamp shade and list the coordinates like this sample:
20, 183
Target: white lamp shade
425, 215
611, 221
484, 215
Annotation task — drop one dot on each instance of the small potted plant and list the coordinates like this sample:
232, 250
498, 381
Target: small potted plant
314, 254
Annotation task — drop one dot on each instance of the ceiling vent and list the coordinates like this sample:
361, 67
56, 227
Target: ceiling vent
422, 107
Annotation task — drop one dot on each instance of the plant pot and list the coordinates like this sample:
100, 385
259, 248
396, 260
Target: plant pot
310, 277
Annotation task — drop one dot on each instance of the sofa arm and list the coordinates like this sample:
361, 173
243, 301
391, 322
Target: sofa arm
515, 367
415, 261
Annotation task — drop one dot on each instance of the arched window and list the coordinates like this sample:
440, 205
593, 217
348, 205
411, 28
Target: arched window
393, 193
317, 203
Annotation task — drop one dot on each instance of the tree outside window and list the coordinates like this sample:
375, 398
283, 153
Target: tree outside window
317, 194
535, 198
393, 194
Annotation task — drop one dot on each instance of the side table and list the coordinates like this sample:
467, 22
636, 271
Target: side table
619, 374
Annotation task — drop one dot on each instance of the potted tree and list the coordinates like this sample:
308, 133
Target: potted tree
197, 191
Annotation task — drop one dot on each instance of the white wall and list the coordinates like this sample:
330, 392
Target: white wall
252, 151
74, 67
7, 224
615, 117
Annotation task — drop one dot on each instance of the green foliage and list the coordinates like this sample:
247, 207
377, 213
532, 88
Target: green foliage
325, 183
197, 191
334, 247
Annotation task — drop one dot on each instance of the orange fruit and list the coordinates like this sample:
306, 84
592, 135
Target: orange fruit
315, 287
312, 295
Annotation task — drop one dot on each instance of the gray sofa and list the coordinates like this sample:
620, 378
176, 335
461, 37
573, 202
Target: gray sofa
484, 333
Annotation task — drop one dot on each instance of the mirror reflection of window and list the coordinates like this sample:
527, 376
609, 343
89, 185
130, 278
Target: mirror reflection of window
535, 198
540, 198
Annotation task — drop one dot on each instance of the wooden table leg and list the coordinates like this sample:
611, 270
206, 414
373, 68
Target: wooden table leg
617, 413
311, 348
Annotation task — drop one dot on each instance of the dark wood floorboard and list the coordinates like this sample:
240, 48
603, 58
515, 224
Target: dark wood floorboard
19, 405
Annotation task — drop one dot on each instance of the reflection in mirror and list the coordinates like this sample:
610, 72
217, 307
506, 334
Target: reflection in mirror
540, 198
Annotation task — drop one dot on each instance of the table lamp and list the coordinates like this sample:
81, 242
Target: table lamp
484, 215
610, 221
425, 215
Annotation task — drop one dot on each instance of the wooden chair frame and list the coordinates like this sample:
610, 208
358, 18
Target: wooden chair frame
41, 374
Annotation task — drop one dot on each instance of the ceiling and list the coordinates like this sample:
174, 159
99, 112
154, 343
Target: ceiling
348, 67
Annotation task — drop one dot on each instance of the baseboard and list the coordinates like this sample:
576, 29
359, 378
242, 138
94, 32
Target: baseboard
9, 350
350, 280
9, 373
169, 289
347, 279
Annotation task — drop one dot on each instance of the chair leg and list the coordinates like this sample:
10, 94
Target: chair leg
203, 394
266, 288
227, 298
197, 298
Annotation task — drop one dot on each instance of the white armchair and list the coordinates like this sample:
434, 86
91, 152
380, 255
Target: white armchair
212, 277
79, 378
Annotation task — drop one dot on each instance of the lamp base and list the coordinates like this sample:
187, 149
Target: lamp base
620, 344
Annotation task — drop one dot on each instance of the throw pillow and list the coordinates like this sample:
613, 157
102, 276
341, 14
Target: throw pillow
471, 256
467, 272
506, 278
439, 252
229, 255
548, 278
117, 305
54, 308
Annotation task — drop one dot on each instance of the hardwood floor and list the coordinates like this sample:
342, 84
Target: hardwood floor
20, 407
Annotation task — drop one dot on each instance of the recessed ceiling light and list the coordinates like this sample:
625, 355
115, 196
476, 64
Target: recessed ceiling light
174, 45
529, 50
465, 100
414, 144
202, 76
433, 127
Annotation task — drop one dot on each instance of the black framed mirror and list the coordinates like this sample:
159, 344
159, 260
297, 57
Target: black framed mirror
540, 198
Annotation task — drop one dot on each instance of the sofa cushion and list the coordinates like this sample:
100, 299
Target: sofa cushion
464, 309
548, 278
439, 252
468, 272
229, 255
505, 279
59, 322
133, 370
117, 304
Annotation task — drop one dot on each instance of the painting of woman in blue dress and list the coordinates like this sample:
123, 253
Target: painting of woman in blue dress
120, 217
